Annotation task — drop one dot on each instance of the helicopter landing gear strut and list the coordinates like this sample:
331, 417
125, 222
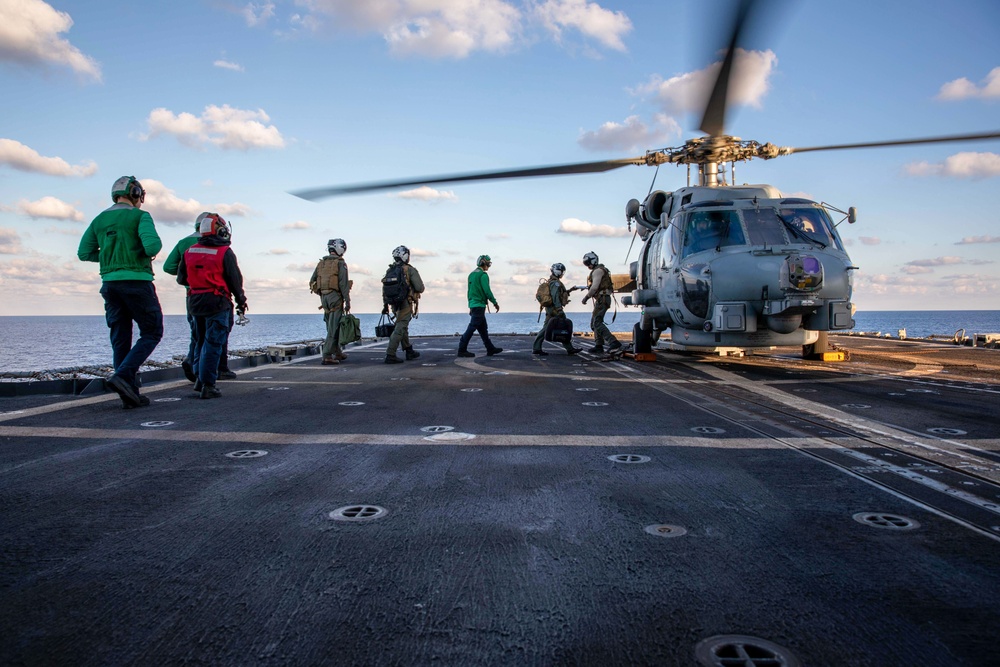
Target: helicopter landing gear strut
821, 350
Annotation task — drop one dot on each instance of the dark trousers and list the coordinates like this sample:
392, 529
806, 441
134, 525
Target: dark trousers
125, 302
477, 323
213, 335
223, 357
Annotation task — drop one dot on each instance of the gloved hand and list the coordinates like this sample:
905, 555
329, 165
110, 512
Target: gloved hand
585, 300
497, 306
385, 310
241, 309
347, 307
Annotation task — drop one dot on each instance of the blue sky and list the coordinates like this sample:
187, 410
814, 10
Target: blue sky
226, 106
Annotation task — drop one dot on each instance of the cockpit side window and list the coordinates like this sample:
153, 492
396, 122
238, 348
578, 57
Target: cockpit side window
710, 229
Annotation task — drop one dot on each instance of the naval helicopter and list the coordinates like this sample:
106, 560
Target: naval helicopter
722, 267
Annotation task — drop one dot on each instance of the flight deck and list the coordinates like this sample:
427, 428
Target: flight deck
514, 509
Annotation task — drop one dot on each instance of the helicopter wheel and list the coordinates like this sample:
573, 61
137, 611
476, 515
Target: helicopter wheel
642, 339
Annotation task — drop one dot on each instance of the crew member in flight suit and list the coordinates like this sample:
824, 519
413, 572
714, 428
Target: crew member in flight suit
600, 288
406, 312
560, 297
330, 281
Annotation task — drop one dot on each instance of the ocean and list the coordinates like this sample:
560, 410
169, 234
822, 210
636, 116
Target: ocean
46, 343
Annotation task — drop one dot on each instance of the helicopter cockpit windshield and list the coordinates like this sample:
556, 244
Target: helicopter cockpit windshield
808, 223
707, 230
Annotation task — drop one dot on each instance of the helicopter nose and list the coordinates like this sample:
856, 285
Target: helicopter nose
804, 272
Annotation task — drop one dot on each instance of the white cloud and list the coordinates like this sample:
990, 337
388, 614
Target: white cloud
425, 193
10, 241
961, 89
633, 134
277, 251
225, 127
29, 35
355, 269
961, 165
18, 156
869, 240
926, 265
167, 207
225, 64
979, 239
913, 270
305, 267
592, 20
417, 252
49, 207
576, 227
687, 93
497, 237
431, 28
298, 224
460, 267
257, 13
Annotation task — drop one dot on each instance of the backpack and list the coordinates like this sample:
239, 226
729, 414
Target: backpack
395, 286
543, 295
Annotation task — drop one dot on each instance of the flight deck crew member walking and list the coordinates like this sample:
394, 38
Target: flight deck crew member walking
403, 308
558, 297
599, 288
330, 281
479, 294
123, 240
170, 265
210, 270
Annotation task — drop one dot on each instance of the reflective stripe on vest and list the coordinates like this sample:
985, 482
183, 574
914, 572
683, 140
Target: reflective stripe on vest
204, 270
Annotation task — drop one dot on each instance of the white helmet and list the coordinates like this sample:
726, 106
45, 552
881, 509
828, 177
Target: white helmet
590, 259
558, 269
401, 253
337, 247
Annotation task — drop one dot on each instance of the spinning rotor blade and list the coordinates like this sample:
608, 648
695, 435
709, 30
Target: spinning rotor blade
896, 142
552, 170
713, 121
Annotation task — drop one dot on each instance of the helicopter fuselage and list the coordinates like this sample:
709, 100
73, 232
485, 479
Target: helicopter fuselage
740, 267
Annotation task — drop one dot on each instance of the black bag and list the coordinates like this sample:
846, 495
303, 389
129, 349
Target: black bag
384, 329
395, 287
559, 330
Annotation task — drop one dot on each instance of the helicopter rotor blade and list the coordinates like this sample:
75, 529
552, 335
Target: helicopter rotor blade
895, 142
551, 170
713, 121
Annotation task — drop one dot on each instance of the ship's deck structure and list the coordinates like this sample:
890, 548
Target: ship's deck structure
514, 509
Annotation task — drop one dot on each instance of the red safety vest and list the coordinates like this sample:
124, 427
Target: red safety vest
204, 269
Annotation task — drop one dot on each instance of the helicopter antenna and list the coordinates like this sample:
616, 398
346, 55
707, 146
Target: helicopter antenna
654, 180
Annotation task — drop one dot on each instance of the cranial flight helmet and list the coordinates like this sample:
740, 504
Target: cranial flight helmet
558, 269
337, 247
212, 224
127, 186
590, 259
401, 253
484, 260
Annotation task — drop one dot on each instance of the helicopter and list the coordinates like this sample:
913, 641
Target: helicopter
722, 267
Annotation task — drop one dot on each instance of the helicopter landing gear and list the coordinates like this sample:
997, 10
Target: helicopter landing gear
821, 350
642, 343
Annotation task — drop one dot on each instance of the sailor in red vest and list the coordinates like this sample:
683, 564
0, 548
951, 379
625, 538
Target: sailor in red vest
210, 270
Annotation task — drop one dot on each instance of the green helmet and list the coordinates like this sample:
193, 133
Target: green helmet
484, 259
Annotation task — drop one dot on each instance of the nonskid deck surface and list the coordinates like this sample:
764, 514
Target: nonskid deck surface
514, 509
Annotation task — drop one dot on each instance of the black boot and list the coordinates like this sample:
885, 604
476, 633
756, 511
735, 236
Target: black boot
411, 354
